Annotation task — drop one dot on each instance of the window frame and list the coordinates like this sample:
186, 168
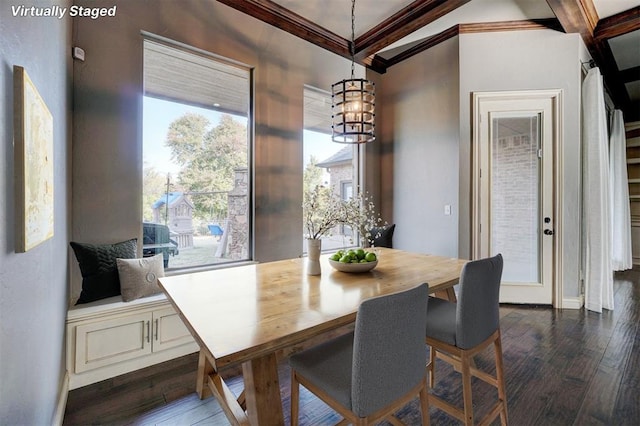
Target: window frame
358, 162
250, 70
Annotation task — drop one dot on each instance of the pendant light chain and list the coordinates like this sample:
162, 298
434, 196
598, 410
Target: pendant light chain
353, 102
353, 37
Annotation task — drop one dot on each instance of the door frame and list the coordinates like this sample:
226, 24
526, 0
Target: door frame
555, 96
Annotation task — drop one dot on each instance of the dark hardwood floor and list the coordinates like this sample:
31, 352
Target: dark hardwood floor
562, 368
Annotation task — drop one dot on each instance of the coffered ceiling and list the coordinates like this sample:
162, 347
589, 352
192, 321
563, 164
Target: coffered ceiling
390, 31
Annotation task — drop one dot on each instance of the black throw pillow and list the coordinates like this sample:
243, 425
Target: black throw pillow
383, 236
99, 268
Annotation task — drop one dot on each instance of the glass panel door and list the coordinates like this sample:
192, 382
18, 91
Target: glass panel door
515, 140
515, 195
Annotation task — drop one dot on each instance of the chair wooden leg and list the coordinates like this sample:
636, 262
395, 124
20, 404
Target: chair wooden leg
432, 365
462, 361
391, 419
466, 389
424, 404
295, 398
502, 393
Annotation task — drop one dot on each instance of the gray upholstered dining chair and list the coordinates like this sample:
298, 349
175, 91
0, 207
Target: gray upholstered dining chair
458, 331
371, 373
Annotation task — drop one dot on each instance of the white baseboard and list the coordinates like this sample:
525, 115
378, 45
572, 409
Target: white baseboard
58, 416
573, 302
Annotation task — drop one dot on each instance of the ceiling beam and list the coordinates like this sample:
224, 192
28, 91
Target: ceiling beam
607, 28
578, 16
530, 24
429, 42
616, 25
575, 16
409, 19
630, 74
276, 15
425, 44
375, 63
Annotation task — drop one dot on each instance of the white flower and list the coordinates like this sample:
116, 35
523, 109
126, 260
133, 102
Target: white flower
361, 216
323, 211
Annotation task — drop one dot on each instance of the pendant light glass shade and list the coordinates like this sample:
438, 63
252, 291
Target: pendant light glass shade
353, 103
353, 111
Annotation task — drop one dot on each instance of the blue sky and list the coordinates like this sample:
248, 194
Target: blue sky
158, 114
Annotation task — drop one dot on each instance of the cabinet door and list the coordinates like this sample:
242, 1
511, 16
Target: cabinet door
169, 330
107, 342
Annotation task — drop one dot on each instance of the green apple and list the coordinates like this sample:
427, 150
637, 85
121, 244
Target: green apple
370, 257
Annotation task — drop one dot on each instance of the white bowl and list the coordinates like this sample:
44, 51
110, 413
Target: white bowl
353, 267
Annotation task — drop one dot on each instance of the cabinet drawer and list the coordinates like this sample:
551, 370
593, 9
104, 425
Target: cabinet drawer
107, 342
169, 330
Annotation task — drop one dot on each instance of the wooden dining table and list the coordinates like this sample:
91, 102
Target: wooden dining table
246, 315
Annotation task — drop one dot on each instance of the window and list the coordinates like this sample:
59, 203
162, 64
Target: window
196, 146
327, 163
346, 192
346, 189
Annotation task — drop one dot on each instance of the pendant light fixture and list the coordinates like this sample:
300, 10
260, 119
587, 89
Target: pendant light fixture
353, 103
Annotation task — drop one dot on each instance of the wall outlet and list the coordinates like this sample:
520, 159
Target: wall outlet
447, 209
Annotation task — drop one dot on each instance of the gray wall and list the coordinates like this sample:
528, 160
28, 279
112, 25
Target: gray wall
424, 122
420, 123
107, 165
33, 285
525, 60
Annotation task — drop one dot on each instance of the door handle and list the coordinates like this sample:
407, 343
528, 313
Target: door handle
548, 232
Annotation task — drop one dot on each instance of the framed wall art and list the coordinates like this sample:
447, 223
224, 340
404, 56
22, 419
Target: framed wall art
33, 163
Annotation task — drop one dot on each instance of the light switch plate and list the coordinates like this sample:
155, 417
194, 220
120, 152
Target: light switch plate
78, 53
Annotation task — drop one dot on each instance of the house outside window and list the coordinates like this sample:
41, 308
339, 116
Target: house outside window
196, 156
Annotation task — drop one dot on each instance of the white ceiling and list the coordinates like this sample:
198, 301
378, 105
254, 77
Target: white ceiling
607, 8
335, 15
479, 11
626, 49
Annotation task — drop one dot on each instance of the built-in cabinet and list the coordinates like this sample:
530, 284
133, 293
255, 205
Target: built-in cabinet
110, 337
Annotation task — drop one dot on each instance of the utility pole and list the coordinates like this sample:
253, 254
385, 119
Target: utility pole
166, 204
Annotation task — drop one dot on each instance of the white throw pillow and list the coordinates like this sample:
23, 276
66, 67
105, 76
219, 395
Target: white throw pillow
139, 277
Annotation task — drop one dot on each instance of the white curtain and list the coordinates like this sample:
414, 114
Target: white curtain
621, 258
596, 199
